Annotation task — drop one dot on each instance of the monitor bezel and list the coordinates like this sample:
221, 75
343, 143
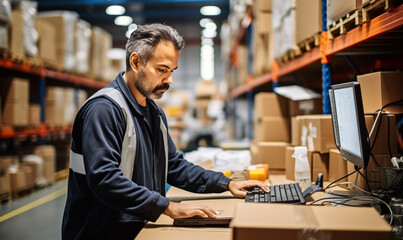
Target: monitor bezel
363, 134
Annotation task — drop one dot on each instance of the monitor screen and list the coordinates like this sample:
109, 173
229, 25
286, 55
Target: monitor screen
349, 123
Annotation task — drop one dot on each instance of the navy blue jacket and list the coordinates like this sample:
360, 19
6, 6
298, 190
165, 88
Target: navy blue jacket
103, 204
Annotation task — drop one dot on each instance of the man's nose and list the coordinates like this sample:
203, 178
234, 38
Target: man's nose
169, 79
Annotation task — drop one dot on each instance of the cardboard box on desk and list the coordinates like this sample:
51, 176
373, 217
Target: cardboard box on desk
272, 153
382, 142
337, 166
379, 89
268, 129
270, 104
317, 133
5, 186
301, 101
287, 221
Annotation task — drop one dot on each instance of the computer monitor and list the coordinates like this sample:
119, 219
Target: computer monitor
349, 129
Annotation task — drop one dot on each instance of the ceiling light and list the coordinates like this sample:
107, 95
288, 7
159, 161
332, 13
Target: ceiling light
115, 10
133, 26
211, 26
123, 20
203, 22
210, 10
208, 33
129, 32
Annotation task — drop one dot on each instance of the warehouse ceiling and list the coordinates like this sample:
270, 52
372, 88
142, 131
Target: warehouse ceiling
182, 14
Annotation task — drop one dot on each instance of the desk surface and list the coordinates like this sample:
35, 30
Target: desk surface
163, 228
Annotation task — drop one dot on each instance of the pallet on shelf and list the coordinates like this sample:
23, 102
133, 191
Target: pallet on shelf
375, 8
309, 43
345, 24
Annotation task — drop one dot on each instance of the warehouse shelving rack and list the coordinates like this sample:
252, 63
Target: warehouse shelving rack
43, 134
375, 28
12, 68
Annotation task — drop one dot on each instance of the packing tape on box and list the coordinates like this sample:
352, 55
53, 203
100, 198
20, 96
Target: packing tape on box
304, 135
309, 225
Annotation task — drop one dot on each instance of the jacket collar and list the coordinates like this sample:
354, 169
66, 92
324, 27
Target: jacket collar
124, 88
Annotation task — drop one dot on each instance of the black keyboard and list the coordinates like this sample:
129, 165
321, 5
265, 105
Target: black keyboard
283, 193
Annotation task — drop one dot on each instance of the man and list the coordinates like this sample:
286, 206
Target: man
122, 155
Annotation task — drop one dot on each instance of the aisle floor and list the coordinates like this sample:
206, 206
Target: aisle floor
37, 216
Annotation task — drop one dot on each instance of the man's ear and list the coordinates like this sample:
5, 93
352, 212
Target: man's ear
135, 62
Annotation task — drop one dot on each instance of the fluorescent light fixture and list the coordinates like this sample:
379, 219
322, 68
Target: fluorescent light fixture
208, 33
115, 10
123, 20
203, 22
133, 26
210, 11
128, 33
207, 42
212, 26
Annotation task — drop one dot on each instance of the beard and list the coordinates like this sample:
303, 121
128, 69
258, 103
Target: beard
147, 91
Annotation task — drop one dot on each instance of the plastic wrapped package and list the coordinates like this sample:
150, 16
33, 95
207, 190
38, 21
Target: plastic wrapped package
29, 11
82, 42
64, 21
5, 11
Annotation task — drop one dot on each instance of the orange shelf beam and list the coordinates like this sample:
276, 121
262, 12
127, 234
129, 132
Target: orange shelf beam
42, 132
42, 72
377, 26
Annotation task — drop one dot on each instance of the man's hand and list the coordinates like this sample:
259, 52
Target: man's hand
240, 188
180, 210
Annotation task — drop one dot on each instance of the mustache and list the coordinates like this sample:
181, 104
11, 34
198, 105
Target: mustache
164, 86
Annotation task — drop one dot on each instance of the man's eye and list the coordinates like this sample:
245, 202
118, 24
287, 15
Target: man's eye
162, 70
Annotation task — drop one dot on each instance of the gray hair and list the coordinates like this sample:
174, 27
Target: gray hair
146, 37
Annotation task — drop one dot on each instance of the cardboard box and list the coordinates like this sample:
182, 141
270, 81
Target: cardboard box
242, 65
381, 143
379, 89
337, 166
262, 5
308, 19
206, 89
18, 180
272, 129
15, 114
305, 107
296, 123
46, 41
34, 115
270, 105
262, 22
18, 91
17, 34
317, 133
272, 153
302, 101
5, 186
64, 23
5, 162
262, 53
290, 222
338, 8
320, 164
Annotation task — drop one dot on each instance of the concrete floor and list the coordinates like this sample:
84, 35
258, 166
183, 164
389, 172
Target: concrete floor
38, 215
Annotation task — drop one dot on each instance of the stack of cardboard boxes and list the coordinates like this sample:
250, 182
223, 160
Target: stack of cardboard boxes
262, 37
205, 91
16, 106
276, 126
294, 22
379, 89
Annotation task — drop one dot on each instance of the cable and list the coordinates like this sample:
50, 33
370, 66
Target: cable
390, 151
344, 183
328, 186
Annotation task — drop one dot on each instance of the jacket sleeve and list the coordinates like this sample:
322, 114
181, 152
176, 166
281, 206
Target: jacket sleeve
102, 136
190, 177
